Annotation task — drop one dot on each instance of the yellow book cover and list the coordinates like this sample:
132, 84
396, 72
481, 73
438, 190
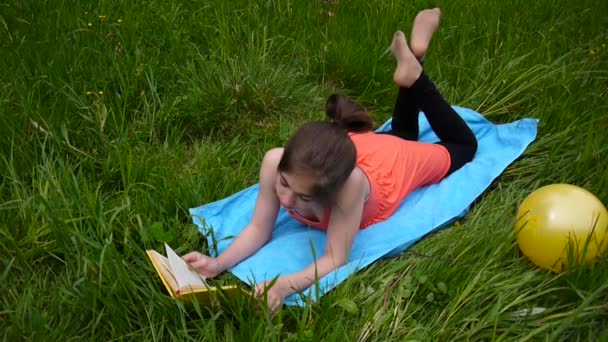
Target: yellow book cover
182, 282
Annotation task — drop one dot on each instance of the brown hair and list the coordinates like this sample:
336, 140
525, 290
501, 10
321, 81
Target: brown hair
348, 114
324, 150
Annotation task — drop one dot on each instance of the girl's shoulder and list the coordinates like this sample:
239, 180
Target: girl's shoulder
357, 185
273, 157
270, 162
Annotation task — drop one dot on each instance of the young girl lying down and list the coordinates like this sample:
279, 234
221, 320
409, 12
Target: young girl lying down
342, 177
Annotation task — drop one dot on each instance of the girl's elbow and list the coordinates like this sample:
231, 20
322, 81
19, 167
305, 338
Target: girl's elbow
338, 260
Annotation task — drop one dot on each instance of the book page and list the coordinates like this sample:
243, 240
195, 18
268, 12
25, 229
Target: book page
162, 267
183, 274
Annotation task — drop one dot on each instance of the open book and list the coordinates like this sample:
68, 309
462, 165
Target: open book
183, 282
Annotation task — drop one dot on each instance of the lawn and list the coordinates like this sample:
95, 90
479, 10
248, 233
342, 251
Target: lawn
118, 116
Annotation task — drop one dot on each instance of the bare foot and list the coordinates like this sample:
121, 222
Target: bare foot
425, 24
408, 69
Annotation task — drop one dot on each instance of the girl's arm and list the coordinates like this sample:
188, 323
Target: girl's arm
343, 226
256, 233
259, 230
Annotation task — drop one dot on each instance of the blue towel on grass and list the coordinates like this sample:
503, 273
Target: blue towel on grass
294, 246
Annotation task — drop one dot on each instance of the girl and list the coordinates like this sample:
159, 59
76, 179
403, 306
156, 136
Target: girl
342, 177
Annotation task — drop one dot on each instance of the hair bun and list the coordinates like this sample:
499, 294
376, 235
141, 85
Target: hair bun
345, 113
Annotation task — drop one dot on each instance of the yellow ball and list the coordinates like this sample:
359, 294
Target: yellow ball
561, 224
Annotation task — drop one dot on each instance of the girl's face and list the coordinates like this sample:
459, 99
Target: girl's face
293, 191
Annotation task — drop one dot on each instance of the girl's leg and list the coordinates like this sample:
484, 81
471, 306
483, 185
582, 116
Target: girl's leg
405, 114
453, 132
455, 135
444, 120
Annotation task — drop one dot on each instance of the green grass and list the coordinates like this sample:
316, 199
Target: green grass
193, 94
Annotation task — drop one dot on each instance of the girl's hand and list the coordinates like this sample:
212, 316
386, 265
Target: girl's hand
275, 295
203, 264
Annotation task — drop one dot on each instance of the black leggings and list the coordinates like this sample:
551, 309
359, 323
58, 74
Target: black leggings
453, 132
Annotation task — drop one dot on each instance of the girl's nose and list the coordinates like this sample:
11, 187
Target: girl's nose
288, 200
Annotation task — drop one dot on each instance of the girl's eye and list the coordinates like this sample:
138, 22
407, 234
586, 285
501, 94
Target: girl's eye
305, 198
283, 182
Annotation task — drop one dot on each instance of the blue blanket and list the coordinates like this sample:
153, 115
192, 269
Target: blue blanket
294, 246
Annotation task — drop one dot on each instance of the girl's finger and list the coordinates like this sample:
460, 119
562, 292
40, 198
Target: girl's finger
199, 264
258, 290
192, 256
275, 305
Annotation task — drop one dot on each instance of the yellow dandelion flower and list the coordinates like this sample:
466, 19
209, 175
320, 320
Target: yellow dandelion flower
90, 24
604, 46
592, 52
119, 21
88, 93
86, 13
102, 17
101, 92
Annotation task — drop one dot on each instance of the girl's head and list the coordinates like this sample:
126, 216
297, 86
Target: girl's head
320, 156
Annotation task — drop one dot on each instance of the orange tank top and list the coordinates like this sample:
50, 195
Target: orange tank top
394, 167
